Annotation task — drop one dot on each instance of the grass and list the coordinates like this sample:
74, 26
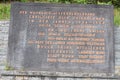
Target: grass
5, 13
117, 16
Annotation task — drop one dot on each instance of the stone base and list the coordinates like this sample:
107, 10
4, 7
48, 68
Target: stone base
50, 78
44, 75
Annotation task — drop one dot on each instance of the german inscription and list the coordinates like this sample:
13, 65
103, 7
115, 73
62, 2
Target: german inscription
67, 38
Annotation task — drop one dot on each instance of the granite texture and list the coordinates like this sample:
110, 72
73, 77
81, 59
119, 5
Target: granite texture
24, 40
3, 43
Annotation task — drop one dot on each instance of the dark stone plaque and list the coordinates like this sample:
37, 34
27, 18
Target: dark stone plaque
61, 38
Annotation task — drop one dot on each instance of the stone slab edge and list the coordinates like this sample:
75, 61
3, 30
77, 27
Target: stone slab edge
58, 74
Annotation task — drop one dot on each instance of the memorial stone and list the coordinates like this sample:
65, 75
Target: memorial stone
61, 38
